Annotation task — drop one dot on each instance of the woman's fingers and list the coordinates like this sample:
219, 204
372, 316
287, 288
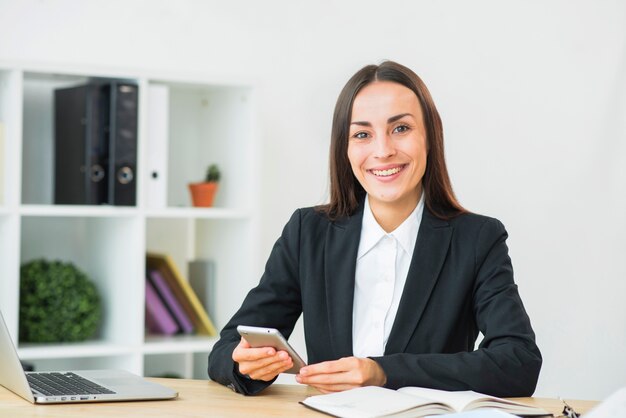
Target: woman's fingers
243, 352
267, 369
334, 388
342, 374
271, 371
263, 363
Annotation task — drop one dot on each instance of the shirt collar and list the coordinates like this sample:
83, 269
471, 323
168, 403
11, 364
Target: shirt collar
405, 234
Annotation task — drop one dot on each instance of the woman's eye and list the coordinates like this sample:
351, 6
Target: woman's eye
360, 135
401, 129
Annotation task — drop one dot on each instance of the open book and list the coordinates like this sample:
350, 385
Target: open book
374, 401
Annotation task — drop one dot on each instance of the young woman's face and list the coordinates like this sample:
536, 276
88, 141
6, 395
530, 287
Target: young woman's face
387, 143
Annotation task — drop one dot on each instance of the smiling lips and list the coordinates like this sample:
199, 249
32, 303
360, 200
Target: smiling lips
388, 171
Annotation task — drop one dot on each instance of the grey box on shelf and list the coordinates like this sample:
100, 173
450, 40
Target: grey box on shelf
202, 281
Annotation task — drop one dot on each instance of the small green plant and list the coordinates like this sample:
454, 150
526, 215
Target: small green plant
58, 303
213, 173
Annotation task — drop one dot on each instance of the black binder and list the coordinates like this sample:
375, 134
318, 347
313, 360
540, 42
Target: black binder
96, 144
81, 150
122, 137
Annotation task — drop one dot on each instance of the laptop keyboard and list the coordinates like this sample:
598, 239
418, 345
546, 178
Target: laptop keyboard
55, 384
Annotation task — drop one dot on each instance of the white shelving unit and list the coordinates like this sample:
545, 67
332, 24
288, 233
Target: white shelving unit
209, 122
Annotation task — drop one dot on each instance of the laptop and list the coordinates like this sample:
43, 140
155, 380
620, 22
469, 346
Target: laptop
69, 387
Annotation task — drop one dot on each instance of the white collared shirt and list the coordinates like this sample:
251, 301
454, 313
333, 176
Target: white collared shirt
382, 266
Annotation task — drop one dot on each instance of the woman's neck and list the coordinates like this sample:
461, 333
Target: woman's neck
390, 215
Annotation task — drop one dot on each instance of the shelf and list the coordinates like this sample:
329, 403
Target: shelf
109, 250
153, 345
184, 124
209, 125
37, 182
77, 211
179, 344
72, 350
199, 213
118, 211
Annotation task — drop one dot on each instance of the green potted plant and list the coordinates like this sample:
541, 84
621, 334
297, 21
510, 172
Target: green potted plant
203, 193
58, 303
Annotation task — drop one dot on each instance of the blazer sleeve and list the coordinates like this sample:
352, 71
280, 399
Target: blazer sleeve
274, 303
508, 361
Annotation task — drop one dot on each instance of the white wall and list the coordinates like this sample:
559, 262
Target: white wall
532, 95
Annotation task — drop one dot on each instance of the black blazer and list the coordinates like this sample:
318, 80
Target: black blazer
460, 281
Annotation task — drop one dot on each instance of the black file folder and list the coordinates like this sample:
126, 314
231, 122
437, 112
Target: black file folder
81, 151
96, 144
122, 137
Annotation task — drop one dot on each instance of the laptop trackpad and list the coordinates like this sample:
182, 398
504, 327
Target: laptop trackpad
116, 381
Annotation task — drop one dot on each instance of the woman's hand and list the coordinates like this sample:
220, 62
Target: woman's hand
261, 363
343, 374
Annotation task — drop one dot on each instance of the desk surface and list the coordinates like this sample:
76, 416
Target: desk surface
201, 398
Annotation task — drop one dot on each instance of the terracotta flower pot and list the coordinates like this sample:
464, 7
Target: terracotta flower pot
202, 194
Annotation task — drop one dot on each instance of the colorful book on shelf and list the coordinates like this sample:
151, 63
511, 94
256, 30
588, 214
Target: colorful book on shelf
183, 292
158, 318
169, 300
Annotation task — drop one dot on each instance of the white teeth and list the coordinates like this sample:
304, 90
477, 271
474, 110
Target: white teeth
388, 172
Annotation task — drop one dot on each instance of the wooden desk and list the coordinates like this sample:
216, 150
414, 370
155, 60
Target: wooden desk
201, 398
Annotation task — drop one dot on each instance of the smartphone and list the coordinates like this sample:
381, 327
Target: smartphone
271, 337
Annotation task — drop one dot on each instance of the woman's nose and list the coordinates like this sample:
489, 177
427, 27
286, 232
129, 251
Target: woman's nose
384, 147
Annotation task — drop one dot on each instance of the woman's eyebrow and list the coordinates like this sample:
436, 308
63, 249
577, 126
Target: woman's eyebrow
390, 120
398, 117
361, 123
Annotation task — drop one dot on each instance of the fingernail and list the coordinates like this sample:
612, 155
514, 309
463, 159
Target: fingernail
303, 371
269, 352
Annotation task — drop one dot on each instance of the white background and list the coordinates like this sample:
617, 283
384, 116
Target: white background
532, 95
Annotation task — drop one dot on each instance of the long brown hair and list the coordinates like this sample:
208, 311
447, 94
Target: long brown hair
346, 192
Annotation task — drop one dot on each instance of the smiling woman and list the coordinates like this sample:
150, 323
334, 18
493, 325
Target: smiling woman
387, 150
404, 89
394, 278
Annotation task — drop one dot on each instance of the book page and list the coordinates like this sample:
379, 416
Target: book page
457, 400
482, 414
468, 400
370, 401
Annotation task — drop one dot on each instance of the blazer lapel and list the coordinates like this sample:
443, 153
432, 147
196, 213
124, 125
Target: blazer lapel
342, 244
431, 247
